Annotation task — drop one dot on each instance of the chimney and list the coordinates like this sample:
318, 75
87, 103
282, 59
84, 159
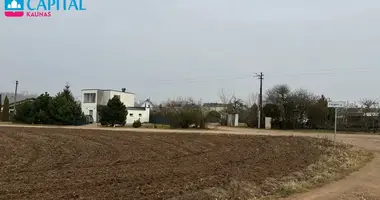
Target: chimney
123, 89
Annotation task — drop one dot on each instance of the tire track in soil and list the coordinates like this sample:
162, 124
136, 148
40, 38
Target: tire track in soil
110, 154
141, 142
173, 169
32, 152
53, 149
8, 143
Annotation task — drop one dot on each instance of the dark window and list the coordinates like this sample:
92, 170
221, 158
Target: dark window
89, 98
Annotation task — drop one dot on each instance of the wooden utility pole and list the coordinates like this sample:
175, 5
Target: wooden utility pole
15, 99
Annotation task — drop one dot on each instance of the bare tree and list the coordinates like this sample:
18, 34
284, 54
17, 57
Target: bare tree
369, 109
225, 97
252, 99
184, 112
279, 95
302, 100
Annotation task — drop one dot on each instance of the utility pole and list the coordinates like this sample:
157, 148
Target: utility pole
260, 77
15, 99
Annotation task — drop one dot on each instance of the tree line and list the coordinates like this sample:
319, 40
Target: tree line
288, 109
302, 109
61, 109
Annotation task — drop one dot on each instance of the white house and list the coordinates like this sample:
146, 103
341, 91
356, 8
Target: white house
138, 113
218, 107
92, 98
147, 104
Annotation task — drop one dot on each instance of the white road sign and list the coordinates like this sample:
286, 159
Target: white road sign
335, 104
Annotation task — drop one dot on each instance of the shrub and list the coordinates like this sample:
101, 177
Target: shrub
136, 124
5, 114
213, 117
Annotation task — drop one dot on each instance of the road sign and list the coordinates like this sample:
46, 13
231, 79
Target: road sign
335, 104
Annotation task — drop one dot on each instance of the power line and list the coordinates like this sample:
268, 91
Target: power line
209, 79
198, 80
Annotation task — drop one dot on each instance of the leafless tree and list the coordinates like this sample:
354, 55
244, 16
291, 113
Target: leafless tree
252, 99
370, 112
184, 112
225, 97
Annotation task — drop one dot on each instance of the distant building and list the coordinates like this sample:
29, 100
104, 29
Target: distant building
12, 105
218, 107
92, 98
147, 104
138, 113
358, 112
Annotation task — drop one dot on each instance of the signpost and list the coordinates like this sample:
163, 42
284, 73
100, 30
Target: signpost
336, 105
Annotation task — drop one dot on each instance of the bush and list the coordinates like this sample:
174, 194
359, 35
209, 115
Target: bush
213, 117
5, 114
136, 124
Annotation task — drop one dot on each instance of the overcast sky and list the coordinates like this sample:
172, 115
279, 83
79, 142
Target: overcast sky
169, 48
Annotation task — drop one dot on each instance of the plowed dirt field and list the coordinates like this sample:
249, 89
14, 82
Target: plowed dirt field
96, 164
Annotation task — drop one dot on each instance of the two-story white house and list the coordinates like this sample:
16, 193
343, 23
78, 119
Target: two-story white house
92, 98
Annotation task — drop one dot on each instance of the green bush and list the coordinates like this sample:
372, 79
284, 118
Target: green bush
137, 124
213, 117
5, 114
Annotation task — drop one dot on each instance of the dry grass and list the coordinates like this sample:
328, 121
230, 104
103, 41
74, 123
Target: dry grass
338, 161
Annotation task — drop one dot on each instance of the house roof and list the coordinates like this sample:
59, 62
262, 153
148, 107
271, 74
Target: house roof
361, 110
147, 101
11, 104
214, 105
108, 90
136, 108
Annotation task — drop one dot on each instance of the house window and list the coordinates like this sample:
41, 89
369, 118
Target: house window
91, 112
89, 98
131, 114
118, 96
140, 115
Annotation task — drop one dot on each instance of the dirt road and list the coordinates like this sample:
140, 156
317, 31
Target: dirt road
362, 185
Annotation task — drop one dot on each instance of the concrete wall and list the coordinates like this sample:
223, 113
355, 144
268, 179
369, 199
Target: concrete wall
87, 107
135, 114
268, 123
233, 120
127, 98
103, 97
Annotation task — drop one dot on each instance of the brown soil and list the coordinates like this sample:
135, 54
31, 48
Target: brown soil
44, 163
